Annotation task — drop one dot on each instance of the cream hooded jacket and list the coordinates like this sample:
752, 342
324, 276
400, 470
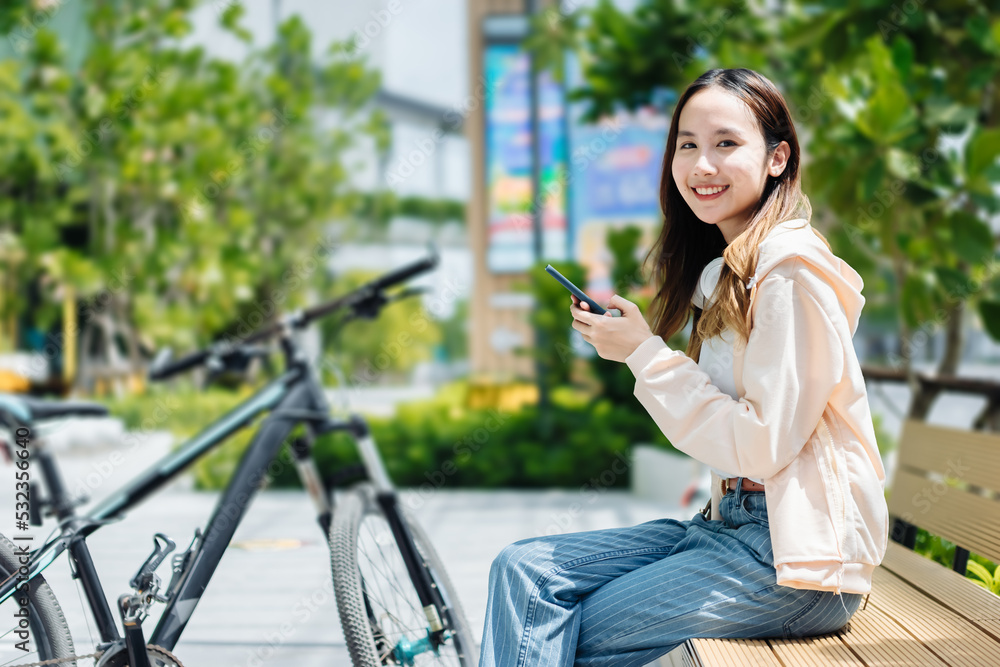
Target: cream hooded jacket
802, 423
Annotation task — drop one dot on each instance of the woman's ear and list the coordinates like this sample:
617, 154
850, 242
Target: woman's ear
779, 159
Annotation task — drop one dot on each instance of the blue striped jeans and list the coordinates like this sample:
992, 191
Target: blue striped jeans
625, 596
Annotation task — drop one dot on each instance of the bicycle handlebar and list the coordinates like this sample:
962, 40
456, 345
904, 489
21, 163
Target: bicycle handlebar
367, 293
164, 369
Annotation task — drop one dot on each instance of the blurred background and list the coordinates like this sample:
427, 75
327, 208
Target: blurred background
178, 172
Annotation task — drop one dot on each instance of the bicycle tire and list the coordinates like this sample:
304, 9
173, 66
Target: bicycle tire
49, 633
356, 518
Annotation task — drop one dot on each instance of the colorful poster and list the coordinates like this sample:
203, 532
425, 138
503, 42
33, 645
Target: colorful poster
510, 235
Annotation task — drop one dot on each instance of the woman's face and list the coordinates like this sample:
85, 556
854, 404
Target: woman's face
719, 144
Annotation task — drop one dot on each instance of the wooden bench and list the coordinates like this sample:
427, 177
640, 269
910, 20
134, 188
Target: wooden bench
918, 613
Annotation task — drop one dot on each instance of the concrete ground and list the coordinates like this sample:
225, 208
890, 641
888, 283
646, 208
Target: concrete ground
270, 601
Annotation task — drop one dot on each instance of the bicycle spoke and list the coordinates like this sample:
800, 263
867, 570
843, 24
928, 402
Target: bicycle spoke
394, 600
395, 587
392, 581
395, 613
391, 613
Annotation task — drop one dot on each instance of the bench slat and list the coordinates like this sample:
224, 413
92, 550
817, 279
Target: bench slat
873, 640
900, 626
956, 515
947, 587
956, 640
732, 652
880, 641
818, 651
968, 455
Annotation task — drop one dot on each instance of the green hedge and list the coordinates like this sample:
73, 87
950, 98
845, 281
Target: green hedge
439, 443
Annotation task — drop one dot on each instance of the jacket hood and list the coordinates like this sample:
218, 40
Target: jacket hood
796, 238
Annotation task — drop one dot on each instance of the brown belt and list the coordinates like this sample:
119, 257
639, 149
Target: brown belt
748, 485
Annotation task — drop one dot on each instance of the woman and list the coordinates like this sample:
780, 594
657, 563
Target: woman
769, 393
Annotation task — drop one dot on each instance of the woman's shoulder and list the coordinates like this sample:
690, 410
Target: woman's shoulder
807, 260
794, 246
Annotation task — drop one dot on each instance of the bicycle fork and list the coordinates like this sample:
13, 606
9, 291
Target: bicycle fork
427, 590
385, 495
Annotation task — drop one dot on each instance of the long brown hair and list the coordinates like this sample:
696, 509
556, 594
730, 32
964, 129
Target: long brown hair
686, 244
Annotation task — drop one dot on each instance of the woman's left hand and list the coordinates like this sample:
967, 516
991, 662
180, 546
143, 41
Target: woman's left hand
614, 338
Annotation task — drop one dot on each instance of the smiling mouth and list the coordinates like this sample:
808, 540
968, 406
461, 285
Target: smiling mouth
711, 196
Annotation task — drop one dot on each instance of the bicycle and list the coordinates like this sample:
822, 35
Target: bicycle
394, 599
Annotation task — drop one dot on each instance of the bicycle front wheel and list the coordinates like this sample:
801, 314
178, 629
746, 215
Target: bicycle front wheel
383, 621
47, 633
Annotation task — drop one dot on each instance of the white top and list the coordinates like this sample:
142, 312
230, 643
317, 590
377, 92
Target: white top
716, 353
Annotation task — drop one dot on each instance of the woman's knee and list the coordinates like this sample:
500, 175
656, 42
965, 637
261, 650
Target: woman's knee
514, 556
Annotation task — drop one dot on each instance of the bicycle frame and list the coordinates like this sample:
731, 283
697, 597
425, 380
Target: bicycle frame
294, 397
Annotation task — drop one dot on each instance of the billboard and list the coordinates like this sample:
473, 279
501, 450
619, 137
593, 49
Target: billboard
509, 197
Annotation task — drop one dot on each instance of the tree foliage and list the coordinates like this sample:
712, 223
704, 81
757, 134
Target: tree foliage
186, 194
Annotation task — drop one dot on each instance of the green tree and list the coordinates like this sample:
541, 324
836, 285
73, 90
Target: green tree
190, 194
875, 92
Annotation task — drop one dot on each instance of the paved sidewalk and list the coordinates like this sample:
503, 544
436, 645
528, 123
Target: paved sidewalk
274, 606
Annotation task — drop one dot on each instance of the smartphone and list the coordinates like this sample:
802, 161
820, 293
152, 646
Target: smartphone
579, 293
